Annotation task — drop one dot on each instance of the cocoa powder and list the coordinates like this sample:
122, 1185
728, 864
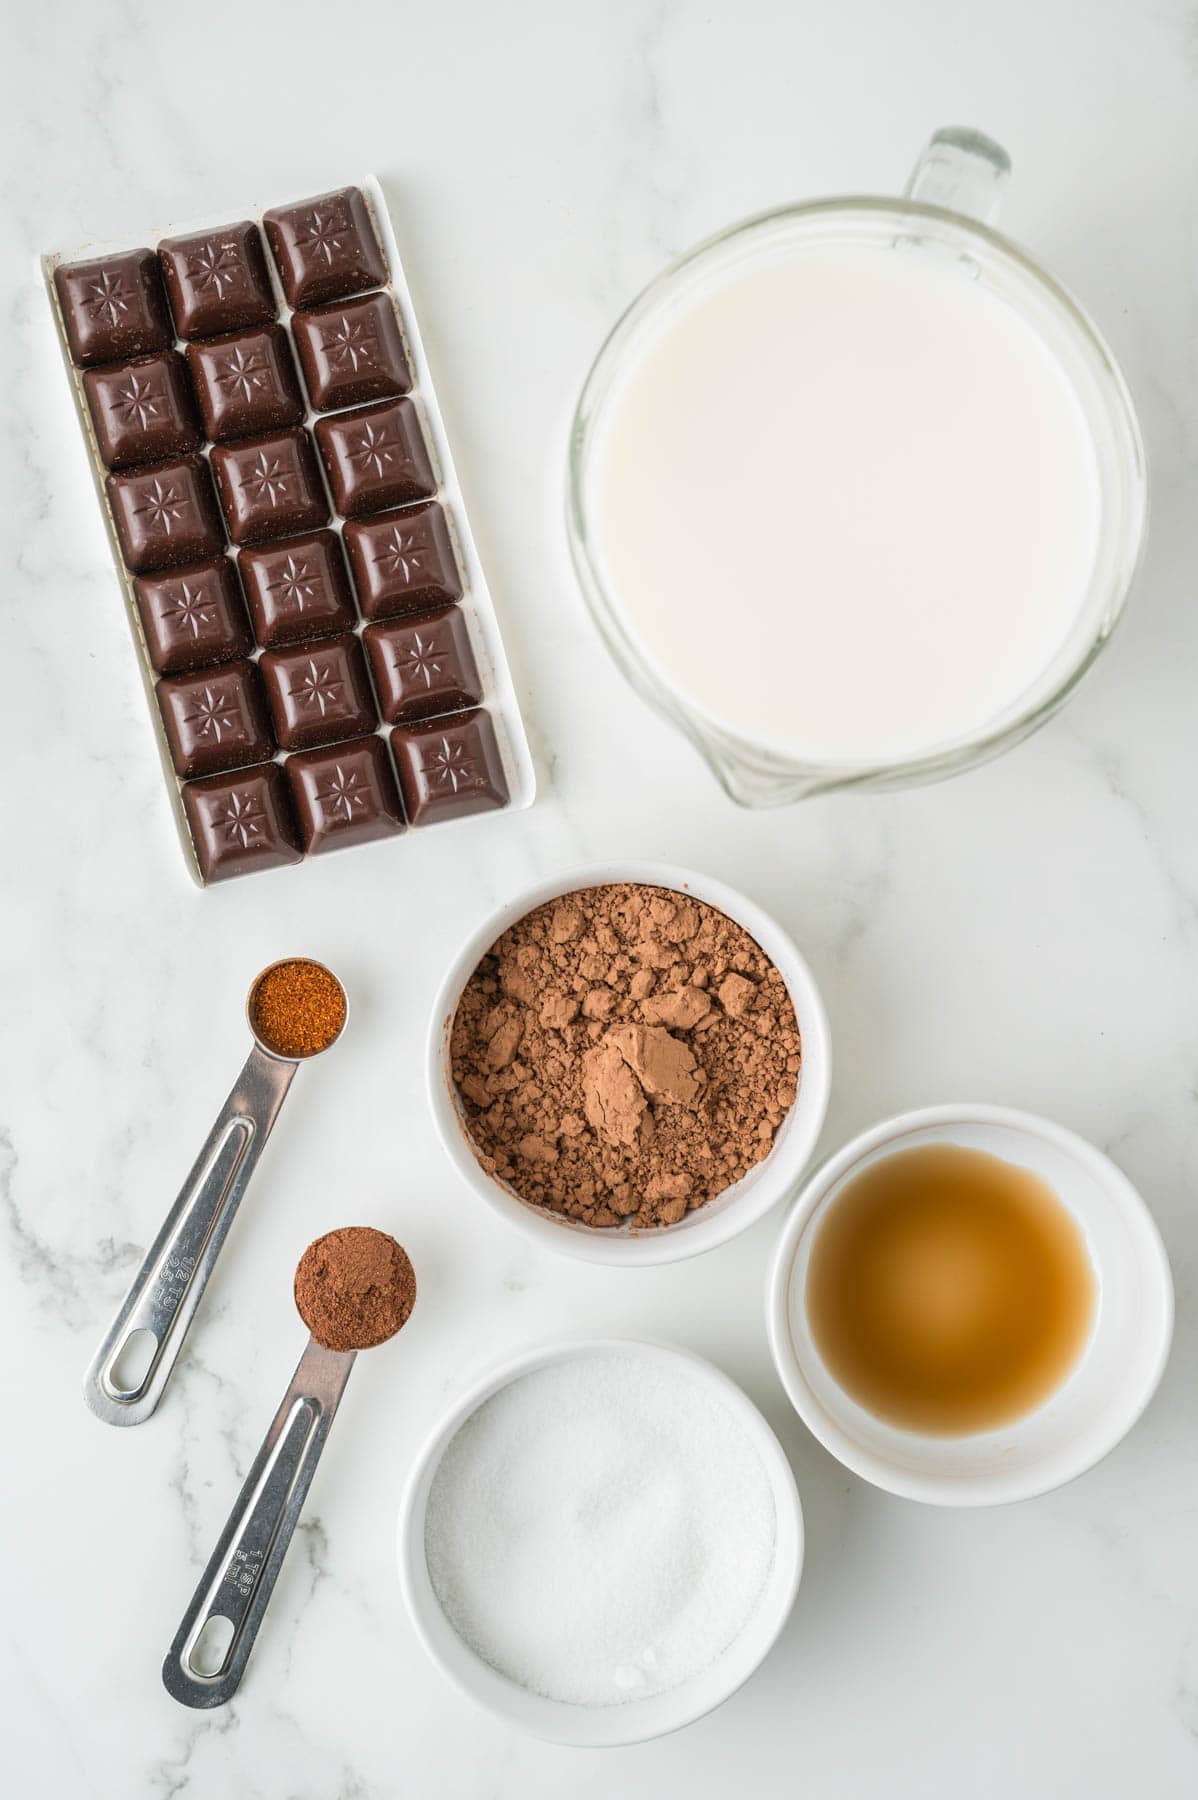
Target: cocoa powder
624, 1053
354, 1288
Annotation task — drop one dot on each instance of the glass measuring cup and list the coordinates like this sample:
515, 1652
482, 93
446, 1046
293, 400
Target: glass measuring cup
946, 213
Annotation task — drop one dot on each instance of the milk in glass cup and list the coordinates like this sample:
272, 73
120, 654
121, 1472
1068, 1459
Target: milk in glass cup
857, 490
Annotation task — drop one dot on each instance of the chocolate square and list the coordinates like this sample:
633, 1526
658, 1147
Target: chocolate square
215, 719
245, 382
166, 515
423, 666
403, 561
344, 794
240, 823
351, 352
376, 457
193, 617
325, 247
114, 307
449, 768
217, 280
298, 589
269, 486
142, 411
318, 693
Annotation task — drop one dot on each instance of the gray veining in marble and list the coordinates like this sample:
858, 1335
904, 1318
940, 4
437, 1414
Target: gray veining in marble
1027, 935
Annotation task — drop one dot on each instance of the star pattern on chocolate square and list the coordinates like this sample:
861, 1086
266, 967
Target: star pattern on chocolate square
449, 770
163, 504
266, 478
342, 793
297, 583
323, 231
374, 448
107, 297
317, 688
214, 267
240, 823
449, 767
401, 553
242, 819
425, 661
350, 344
242, 372
214, 713
164, 515
188, 608
138, 402
269, 487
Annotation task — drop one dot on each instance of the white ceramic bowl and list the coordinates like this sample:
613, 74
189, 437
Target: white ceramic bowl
634, 1720
740, 1205
1101, 1399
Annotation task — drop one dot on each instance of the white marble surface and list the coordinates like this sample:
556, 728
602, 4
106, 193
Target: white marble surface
1028, 934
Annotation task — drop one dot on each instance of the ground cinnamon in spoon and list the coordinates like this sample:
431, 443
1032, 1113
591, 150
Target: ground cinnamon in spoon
297, 1008
624, 1053
354, 1288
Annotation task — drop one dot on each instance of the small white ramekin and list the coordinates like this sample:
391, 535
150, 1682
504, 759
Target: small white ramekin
635, 1720
732, 1211
1100, 1400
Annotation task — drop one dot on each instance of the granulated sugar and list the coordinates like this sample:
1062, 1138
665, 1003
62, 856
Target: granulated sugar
600, 1530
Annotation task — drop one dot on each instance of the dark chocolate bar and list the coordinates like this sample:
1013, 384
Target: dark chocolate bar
376, 457
403, 561
166, 515
241, 822
193, 617
297, 589
142, 411
325, 248
351, 352
240, 443
344, 794
318, 692
269, 487
215, 719
423, 666
217, 280
448, 768
113, 308
245, 382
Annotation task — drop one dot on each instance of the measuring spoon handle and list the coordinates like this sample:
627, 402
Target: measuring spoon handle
236, 1587
174, 1273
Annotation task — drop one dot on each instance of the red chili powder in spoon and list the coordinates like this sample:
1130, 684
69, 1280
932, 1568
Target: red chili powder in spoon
297, 1008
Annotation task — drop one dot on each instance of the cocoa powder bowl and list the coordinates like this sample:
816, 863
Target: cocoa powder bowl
735, 1208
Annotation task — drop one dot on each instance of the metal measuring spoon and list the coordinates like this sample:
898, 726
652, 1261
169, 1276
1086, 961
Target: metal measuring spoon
174, 1272
207, 1659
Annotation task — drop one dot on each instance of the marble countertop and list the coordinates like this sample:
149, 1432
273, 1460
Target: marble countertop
1028, 934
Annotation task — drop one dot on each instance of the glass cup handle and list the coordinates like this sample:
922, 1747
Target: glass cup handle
963, 171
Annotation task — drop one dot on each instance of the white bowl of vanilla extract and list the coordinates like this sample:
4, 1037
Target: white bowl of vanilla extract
969, 1305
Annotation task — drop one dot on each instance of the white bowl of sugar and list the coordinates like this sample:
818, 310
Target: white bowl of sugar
601, 1541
